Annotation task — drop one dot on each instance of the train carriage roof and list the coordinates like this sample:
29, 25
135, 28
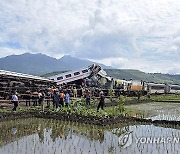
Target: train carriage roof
156, 84
69, 72
174, 85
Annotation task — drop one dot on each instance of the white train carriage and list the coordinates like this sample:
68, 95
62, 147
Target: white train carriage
23, 76
156, 88
78, 74
174, 89
71, 76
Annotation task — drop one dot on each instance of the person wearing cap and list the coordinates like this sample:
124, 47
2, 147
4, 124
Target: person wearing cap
101, 101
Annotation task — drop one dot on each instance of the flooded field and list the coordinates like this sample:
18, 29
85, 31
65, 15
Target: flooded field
157, 110
53, 137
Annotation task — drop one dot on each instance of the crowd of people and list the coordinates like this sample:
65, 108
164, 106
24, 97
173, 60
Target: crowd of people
59, 97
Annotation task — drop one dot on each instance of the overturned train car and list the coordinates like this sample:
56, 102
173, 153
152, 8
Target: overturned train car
91, 76
13, 81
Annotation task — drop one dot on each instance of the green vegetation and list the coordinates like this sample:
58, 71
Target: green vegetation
138, 75
79, 107
167, 98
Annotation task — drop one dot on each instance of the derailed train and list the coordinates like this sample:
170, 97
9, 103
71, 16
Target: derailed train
98, 78
94, 75
134, 86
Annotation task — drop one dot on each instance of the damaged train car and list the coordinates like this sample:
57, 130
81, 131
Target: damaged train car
13, 81
92, 75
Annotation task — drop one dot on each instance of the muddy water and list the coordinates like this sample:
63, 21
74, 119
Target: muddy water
39, 136
156, 110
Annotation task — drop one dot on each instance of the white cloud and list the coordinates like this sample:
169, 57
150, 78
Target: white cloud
129, 31
5, 51
161, 66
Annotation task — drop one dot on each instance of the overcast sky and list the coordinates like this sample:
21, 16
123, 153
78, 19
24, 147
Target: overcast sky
137, 34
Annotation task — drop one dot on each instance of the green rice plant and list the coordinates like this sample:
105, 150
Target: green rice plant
120, 106
111, 94
166, 97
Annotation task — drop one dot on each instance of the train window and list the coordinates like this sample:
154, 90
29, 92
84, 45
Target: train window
60, 78
84, 71
158, 87
175, 88
76, 73
68, 76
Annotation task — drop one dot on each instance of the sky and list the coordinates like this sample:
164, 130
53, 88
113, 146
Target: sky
125, 34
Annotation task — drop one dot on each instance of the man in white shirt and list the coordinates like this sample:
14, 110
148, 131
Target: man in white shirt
15, 101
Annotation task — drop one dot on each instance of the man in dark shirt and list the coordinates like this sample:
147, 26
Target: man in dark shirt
56, 99
101, 101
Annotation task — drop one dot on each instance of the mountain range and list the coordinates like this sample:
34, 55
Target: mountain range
41, 64
38, 64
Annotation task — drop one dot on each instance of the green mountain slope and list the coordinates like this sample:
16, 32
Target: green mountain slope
138, 75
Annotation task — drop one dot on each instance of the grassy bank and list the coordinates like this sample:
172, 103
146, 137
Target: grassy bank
166, 98
79, 112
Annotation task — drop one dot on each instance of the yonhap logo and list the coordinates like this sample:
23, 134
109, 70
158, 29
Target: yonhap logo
125, 140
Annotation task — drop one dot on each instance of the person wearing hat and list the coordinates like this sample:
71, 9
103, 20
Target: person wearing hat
101, 101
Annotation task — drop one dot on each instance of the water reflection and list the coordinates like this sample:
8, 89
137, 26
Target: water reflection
53, 136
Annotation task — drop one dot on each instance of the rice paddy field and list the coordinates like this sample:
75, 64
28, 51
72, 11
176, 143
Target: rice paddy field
47, 136
156, 110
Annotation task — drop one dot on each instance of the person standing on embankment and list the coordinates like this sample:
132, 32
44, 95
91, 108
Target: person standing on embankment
67, 98
14, 100
75, 92
88, 97
56, 100
41, 100
62, 96
101, 101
